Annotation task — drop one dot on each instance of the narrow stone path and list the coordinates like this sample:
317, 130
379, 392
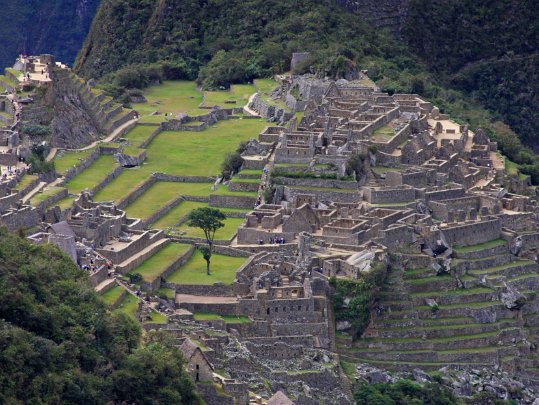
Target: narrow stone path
246, 107
109, 138
34, 191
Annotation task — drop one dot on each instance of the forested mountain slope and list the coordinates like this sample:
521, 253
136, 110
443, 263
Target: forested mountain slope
59, 343
35, 26
489, 49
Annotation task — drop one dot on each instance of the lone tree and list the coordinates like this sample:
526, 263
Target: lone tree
209, 220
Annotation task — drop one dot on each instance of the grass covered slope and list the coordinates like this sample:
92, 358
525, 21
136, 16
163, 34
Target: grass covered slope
61, 345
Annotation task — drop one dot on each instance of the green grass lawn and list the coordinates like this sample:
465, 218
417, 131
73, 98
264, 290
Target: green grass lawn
181, 153
25, 181
223, 270
207, 316
112, 295
383, 134
90, 177
128, 305
154, 266
511, 167
161, 193
170, 97
224, 233
166, 292
239, 93
64, 203
181, 210
139, 134
473, 248
70, 159
46, 193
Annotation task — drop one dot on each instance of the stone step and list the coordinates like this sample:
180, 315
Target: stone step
413, 323
450, 311
458, 342
135, 260
456, 296
499, 247
512, 269
408, 366
524, 282
482, 263
105, 285
435, 283
489, 354
440, 331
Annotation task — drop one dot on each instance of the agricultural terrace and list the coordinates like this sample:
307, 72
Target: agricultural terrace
93, 175
181, 153
181, 210
223, 270
154, 266
69, 159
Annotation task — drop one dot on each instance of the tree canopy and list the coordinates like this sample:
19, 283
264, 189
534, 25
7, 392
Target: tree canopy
60, 343
209, 220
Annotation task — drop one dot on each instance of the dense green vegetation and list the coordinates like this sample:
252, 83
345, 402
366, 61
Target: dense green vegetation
223, 42
34, 26
353, 299
487, 49
61, 345
406, 392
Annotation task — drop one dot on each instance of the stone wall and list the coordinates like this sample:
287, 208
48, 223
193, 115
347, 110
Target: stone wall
180, 261
145, 143
473, 233
320, 183
162, 211
108, 178
323, 195
183, 179
232, 201
8, 201
136, 193
83, 165
269, 111
389, 195
243, 186
26, 217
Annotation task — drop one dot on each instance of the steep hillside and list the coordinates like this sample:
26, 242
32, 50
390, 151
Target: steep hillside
488, 49
61, 345
33, 26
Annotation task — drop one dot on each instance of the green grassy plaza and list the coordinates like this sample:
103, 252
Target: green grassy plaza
223, 270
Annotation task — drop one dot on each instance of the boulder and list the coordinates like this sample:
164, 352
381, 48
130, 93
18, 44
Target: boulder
512, 299
127, 160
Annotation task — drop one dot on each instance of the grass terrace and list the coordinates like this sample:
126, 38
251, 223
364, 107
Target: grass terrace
383, 134
25, 181
237, 96
90, 177
206, 316
163, 192
64, 203
223, 270
7, 81
70, 159
45, 194
174, 97
482, 246
224, 233
128, 305
139, 134
154, 266
111, 296
171, 218
180, 153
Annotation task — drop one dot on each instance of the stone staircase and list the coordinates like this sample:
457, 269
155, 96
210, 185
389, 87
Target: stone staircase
425, 320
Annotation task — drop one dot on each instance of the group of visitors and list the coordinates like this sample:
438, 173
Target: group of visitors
273, 241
